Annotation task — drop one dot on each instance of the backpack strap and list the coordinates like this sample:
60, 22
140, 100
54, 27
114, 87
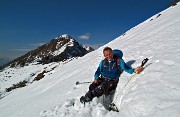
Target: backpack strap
103, 62
118, 64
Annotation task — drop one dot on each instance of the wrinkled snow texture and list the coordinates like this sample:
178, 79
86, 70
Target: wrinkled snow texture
153, 93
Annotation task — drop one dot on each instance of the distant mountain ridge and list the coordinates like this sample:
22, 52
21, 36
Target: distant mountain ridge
60, 48
4, 60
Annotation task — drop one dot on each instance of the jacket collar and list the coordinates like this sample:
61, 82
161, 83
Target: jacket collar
111, 60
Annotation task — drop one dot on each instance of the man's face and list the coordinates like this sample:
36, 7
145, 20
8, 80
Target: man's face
108, 54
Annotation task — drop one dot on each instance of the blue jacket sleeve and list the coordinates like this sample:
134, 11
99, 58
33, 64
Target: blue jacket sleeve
98, 71
126, 68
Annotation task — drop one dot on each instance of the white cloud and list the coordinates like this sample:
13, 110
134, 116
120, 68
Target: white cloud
21, 49
94, 46
28, 48
84, 36
36, 44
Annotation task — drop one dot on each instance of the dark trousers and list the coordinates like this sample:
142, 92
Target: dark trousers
104, 86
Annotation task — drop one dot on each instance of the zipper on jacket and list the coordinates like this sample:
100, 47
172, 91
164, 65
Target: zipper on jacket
109, 65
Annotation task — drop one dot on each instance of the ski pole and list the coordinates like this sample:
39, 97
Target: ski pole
144, 62
112, 106
134, 74
77, 83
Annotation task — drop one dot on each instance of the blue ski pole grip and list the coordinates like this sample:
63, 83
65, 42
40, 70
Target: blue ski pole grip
144, 62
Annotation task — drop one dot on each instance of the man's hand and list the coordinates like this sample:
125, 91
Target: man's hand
96, 81
138, 69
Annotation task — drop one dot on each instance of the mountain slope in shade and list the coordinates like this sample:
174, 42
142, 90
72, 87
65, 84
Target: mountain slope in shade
153, 93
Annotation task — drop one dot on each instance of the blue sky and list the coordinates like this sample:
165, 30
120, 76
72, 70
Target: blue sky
27, 24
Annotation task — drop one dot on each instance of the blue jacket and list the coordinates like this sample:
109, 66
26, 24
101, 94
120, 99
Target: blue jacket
110, 69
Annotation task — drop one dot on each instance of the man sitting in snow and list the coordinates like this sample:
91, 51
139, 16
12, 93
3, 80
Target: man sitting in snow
107, 75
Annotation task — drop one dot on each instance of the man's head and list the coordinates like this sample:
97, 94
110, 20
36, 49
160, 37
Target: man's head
108, 53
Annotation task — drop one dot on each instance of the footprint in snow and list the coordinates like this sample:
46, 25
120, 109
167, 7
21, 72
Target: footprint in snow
168, 62
74, 108
67, 109
156, 61
76, 86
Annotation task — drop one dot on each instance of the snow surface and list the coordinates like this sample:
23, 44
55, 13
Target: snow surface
153, 93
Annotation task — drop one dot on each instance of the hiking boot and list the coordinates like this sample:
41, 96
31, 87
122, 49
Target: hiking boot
83, 100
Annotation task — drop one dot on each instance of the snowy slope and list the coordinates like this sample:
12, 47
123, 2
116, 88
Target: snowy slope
153, 93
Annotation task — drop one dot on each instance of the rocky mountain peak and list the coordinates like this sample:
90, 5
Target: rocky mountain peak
64, 36
60, 48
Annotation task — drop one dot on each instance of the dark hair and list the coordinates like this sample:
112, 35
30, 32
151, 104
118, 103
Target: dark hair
106, 48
